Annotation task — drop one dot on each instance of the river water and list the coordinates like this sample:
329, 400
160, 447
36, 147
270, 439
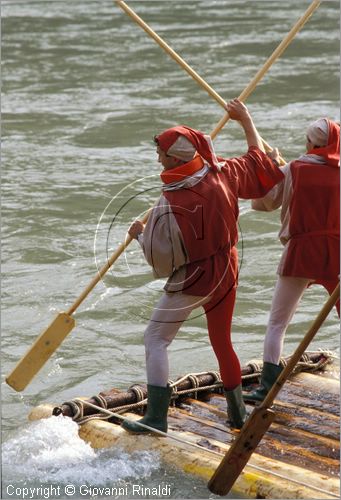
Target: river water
84, 92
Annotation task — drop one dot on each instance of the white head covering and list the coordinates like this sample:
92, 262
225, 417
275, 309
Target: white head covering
201, 143
318, 131
182, 149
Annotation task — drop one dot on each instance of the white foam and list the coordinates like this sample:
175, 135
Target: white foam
50, 451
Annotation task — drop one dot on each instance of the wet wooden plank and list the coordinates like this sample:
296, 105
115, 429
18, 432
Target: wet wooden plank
290, 439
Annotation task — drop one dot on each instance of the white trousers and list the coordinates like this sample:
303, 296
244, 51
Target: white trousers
287, 294
168, 315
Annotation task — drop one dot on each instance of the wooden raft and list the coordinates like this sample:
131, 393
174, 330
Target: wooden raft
297, 458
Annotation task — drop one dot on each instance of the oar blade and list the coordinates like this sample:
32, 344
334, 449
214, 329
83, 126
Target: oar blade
240, 451
40, 351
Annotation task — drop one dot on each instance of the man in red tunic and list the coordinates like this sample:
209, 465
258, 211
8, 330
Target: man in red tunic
310, 232
191, 238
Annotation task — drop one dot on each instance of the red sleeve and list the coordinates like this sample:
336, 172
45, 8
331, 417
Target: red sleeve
254, 173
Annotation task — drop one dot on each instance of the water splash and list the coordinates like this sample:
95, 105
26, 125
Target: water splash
50, 451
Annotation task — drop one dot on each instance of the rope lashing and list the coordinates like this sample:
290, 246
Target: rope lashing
254, 368
195, 384
141, 400
101, 401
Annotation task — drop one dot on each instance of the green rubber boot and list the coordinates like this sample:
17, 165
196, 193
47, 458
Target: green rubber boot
157, 409
236, 410
269, 375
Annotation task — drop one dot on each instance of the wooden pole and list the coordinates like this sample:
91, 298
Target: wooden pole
262, 416
274, 56
113, 258
51, 338
252, 85
128, 10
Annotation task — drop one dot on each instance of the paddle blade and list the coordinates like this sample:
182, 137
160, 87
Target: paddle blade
41, 350
240, 451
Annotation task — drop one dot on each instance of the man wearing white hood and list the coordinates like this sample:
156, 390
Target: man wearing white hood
310, 232
191, 238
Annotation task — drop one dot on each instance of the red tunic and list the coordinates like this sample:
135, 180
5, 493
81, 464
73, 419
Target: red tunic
207, 216
313, 249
